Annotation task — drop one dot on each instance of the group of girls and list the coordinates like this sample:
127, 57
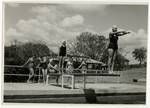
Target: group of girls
44, 64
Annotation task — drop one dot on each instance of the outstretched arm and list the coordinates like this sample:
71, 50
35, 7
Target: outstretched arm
122, 33
26, 62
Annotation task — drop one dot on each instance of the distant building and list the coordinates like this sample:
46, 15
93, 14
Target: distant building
91, 63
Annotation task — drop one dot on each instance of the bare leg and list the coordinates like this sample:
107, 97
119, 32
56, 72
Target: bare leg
31, 74
110, 56
45, 75
43, 72
60, 63
57, 78
113, 60
63, 59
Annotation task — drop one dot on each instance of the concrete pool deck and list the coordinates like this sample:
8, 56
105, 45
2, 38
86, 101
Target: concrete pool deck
97, 93
110, 87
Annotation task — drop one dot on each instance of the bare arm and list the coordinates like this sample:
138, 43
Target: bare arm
39, 63
51, 66
26, 62
122, 33
80, 66
38, 66
42, 61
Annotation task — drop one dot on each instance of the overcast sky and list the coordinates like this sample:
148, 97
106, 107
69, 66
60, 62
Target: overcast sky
53, 23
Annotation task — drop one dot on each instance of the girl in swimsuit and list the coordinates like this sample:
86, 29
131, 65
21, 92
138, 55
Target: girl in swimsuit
113, 46
83, 66
53, 68
44, 65
30, 66
62, 56
69, 66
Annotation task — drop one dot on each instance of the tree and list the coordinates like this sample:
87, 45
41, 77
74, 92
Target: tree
88, 44
121, 62
18, 54
139, 54
33, 49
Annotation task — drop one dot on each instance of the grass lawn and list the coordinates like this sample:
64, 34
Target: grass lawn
129, 75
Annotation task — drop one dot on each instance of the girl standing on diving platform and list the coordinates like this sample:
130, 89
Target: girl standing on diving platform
113, 46
62, 55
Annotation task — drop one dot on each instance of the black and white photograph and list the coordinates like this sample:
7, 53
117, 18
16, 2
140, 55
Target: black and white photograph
75, 53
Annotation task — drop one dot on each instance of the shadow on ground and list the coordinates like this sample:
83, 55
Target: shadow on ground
90, 95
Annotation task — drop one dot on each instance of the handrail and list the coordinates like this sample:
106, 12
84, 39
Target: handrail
27, 74
75, 74
60, 69
14, 66
97, 72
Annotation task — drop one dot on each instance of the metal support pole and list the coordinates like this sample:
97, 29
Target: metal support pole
39, 76
118, 80
96, 77
47, 78
62, 81
84, 81
73, 82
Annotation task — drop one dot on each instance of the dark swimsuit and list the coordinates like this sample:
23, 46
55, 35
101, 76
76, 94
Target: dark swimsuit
113, 37
44, 65
62, 51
